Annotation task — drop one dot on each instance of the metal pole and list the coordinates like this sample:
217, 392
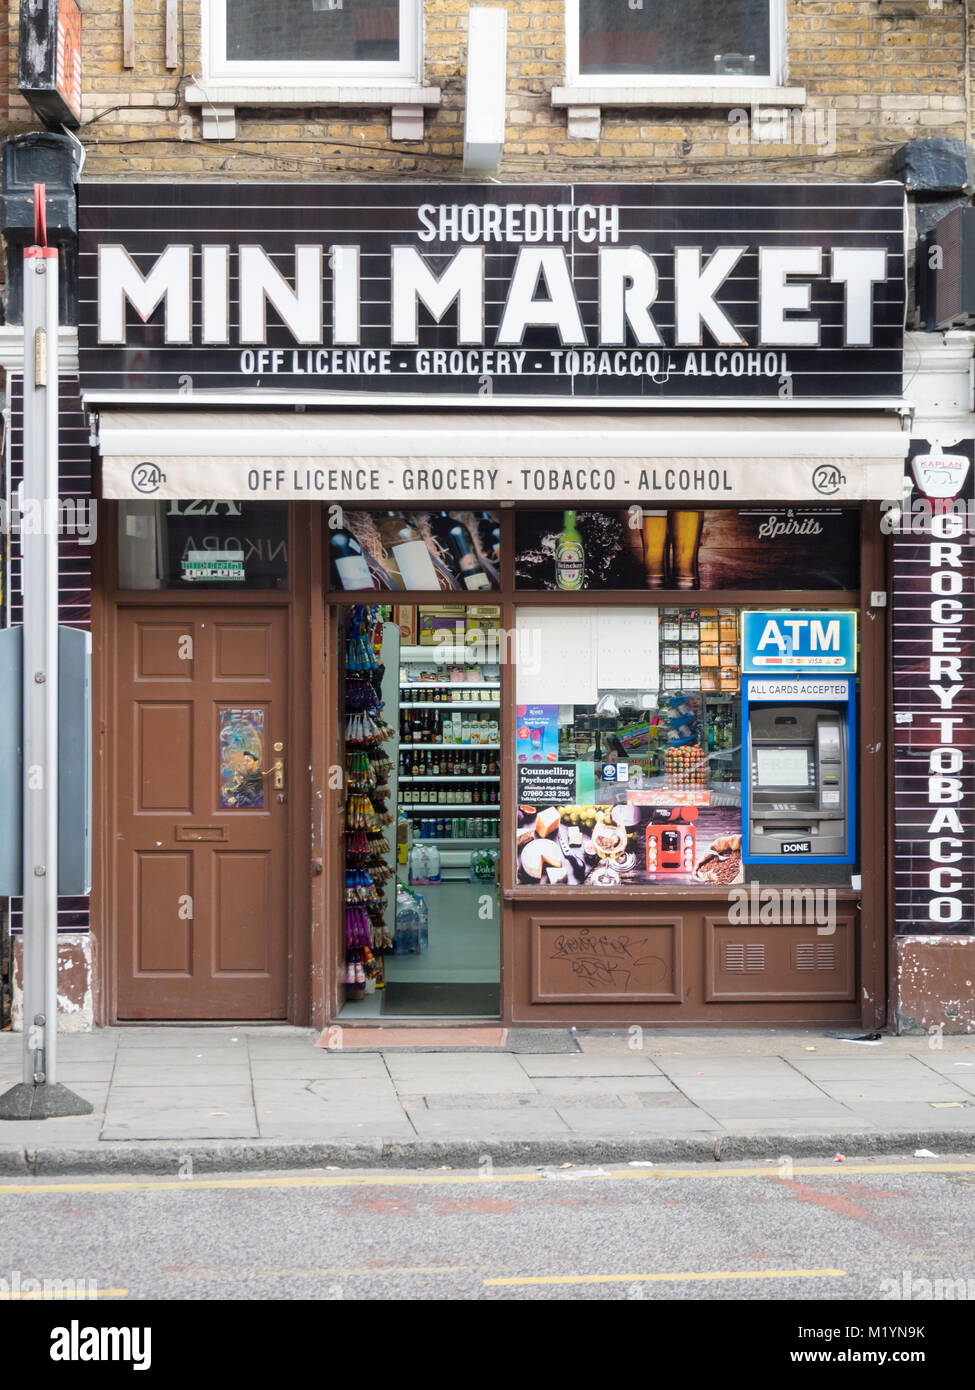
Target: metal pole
40, 1095
39, 586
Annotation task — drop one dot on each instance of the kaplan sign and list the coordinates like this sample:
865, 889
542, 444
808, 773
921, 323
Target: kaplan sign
616, 293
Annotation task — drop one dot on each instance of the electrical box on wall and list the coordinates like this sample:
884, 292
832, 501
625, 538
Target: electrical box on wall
946, 271
49, 62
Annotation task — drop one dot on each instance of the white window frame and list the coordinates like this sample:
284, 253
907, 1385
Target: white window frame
773, 79
218, 71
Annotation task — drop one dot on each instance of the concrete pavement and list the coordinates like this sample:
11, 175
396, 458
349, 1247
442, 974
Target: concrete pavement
221, 1098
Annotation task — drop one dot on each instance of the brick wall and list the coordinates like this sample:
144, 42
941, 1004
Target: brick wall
875, 75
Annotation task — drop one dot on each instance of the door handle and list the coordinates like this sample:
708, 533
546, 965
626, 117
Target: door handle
278, 775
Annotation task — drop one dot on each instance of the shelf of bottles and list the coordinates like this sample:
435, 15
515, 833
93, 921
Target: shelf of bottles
456, 704
421, 724
447, 764
458, 830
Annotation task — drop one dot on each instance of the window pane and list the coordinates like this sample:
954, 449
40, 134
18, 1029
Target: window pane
695, 38
635, 784
313, 31
203, 544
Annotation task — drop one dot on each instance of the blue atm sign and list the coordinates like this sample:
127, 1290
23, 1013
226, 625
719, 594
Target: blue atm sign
796, 641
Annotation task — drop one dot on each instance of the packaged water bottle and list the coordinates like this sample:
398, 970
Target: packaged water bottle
423, 923
424, 863
407, 939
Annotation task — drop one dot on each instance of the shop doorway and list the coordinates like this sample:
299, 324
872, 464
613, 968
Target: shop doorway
200, 831
423, 763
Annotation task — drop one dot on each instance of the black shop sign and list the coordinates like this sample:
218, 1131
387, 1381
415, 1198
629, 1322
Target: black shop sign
584, 293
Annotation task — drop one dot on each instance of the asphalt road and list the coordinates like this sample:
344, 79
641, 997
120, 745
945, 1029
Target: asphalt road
874, 1230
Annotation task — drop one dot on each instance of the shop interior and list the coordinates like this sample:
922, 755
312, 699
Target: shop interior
423, 762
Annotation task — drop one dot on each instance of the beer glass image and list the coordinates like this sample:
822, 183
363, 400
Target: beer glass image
655, 549
685, 537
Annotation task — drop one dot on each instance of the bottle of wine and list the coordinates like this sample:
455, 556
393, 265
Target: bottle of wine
472, 573
349, 567
403, 542
489, 534
570, 556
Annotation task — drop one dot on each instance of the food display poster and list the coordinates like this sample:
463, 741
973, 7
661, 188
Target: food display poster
537, 734
602, 846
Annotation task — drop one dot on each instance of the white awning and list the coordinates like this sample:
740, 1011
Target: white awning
594, 458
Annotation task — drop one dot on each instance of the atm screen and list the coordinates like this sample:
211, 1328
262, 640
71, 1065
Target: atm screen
782, 767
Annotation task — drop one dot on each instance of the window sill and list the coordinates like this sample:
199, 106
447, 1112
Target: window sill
585, 103
406, 102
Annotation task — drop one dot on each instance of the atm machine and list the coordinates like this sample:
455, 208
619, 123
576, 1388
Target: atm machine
798, 777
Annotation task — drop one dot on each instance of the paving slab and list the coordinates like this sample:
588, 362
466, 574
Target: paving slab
364, 1066
613, 1123
489, 1124
930, 1088
392, 1131
190, 1037
916, 1116
350, 1090
733, 1066
164, 1112
596, 1086
484, 1073
758, 1108
68, 1130
705, 1088
578, 1064
494, 1100
163, 1075
181, 1126
881, 1069
71, 1071
83, 1047
653, 1100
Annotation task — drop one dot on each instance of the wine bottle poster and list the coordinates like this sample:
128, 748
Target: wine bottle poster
418, 552
677, 548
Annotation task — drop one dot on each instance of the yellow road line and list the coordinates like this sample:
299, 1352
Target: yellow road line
769, 1170
58, 1297
670, 1278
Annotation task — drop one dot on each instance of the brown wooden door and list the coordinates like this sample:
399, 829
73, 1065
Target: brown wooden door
201, 826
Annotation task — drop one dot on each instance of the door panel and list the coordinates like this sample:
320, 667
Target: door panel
201, 831
242, 911
163, 784
160, 943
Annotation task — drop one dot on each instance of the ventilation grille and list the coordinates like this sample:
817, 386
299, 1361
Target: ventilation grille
809, 955
744, 959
